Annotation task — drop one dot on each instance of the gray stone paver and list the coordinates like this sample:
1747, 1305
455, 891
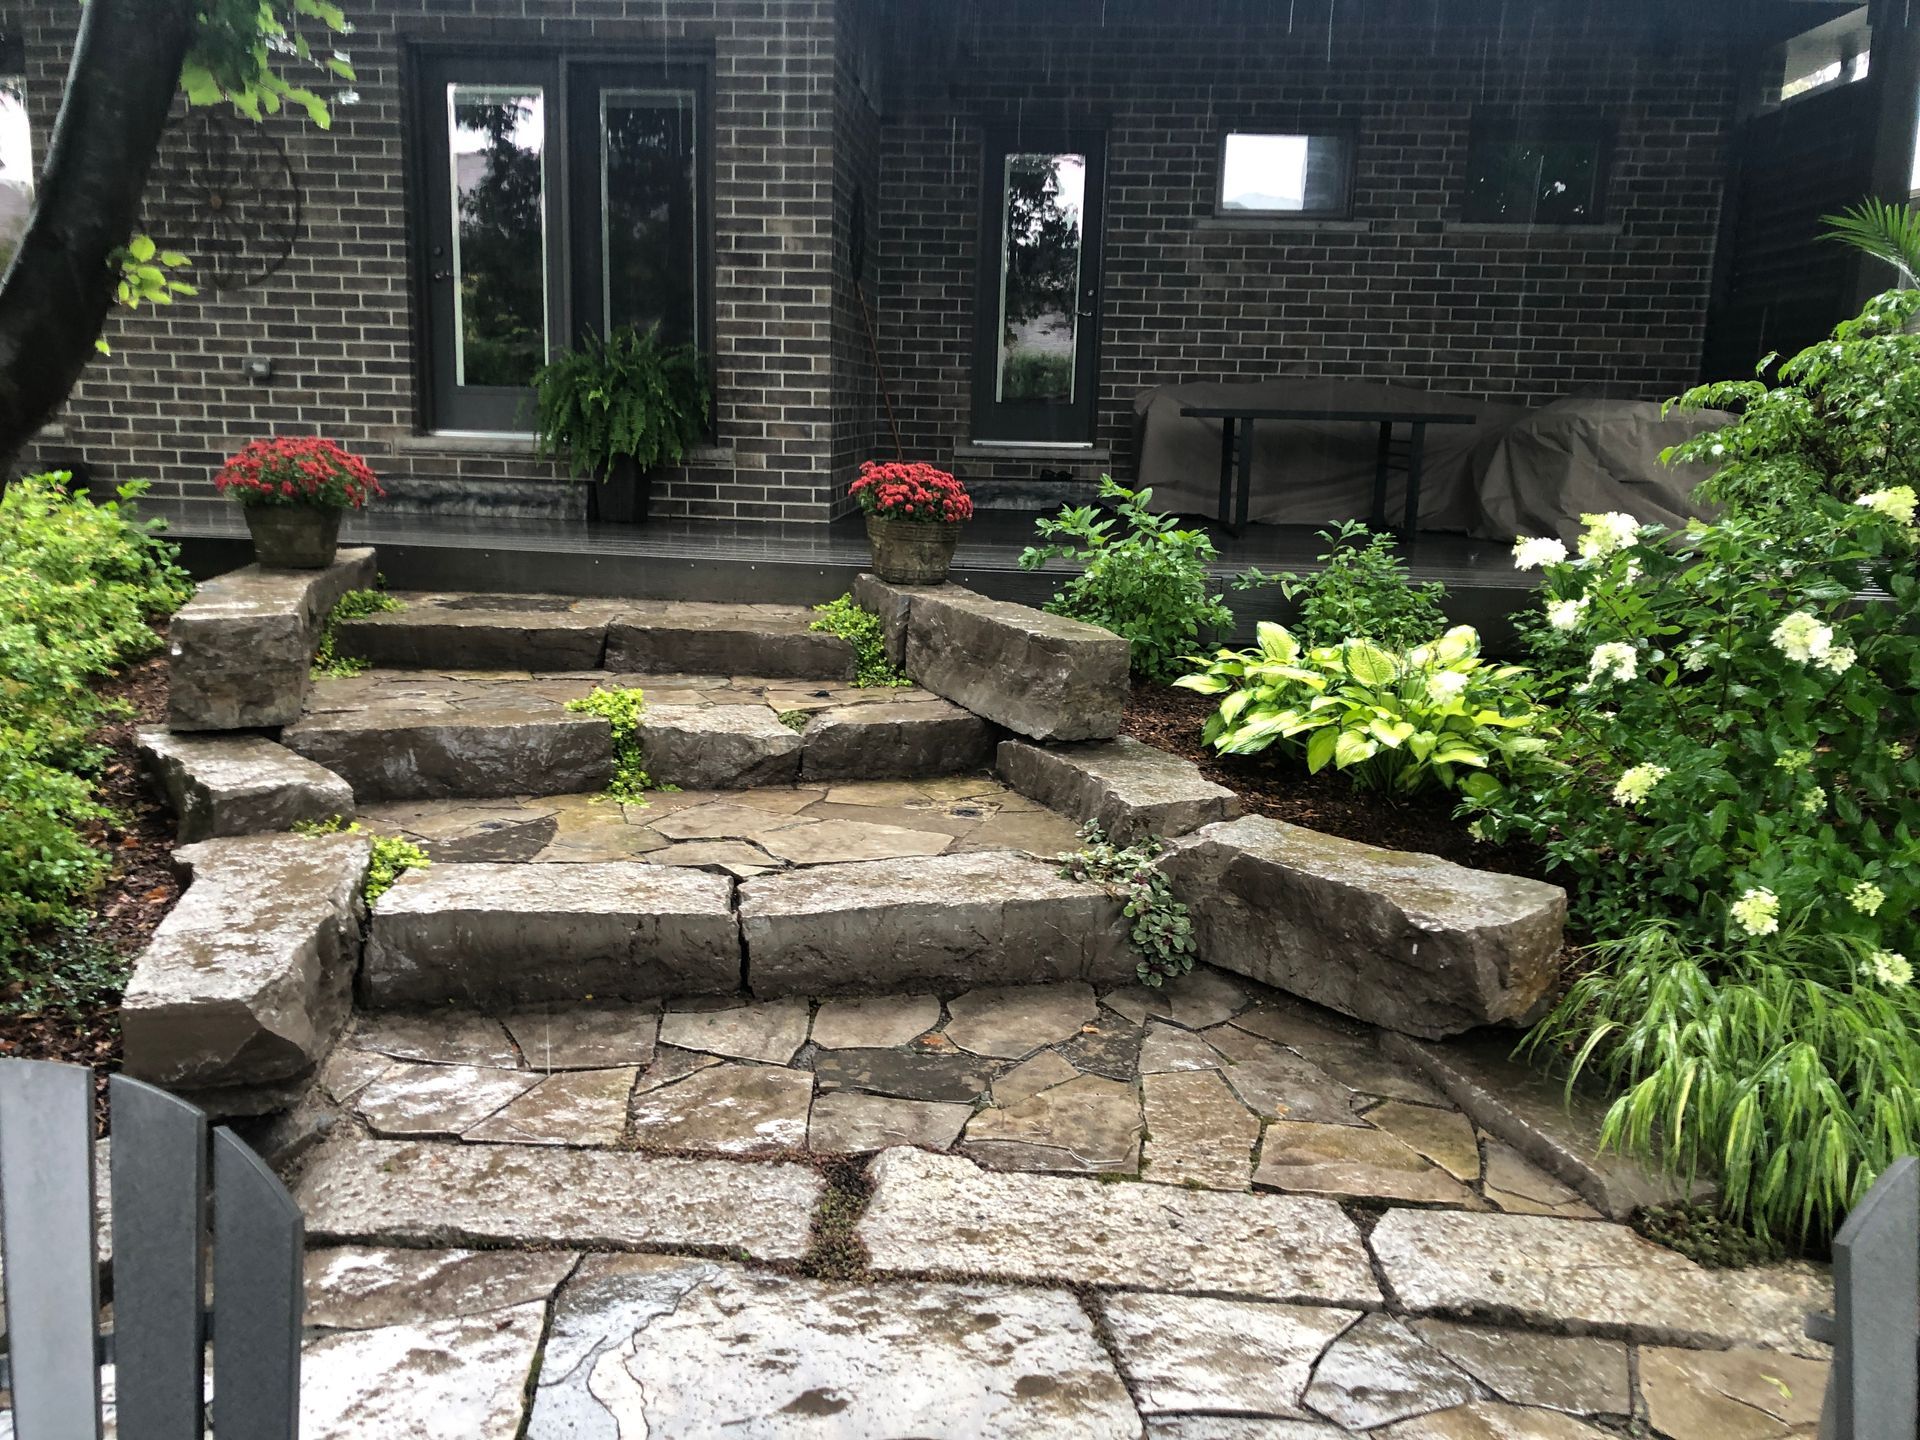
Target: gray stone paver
1185, 1352
729, 1110
1379, 1372
771, 1031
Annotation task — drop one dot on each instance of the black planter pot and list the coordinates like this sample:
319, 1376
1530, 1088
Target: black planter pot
621, 495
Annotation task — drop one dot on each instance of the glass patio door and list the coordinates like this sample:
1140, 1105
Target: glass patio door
562, 195
1037, 300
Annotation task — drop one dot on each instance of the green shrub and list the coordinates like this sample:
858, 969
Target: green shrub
68, 976
621, 709
860, 629
80, 584
1436, 715
1787, 1067
629, 395
354, 605
1162, 932
1148, 583
1733, 793
1362, 591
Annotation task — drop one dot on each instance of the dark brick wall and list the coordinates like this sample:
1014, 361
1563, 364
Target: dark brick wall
337, 323
1408, 297
815, 99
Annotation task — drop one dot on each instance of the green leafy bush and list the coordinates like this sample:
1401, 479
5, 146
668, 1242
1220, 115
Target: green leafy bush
621, 709
80, 584
1141, 576
628, 395
1362, 591
1162, 931
1733, 793
354, 605
73, 973
860, 629
1786, 1067
1437, 714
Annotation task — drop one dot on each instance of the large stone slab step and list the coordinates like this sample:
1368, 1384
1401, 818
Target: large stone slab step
246, 982
496, 934
482, 632
532, 748
240, 784
702, 637
948, 921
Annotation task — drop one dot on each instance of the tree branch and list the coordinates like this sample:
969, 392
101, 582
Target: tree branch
55, 295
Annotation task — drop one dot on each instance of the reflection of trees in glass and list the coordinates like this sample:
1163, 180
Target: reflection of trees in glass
651, 255
1042, 258
1546, 182
502, 266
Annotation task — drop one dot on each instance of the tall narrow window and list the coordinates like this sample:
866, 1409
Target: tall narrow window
649, 202
497, 136
16, 163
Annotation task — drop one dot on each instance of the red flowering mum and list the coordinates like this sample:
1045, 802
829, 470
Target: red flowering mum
298, 470
918, 491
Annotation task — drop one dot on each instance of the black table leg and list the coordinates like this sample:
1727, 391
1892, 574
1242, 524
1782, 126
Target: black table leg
1379, 518
1415, 454
1246, 474
1226, 473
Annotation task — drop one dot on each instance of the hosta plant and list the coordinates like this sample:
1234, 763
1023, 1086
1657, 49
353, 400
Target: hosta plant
1435, 715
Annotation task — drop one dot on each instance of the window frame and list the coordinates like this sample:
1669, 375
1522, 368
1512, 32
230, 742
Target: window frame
1347, 135
1542, 125
574, 305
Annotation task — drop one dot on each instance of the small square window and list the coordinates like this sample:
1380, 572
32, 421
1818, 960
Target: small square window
1537, 170
1263, 173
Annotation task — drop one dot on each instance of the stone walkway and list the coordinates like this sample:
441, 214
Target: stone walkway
1209, 1213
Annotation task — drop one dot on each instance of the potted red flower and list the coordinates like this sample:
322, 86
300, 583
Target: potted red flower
914, 513
293, 490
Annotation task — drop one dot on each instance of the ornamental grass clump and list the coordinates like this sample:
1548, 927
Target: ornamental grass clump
1732, 791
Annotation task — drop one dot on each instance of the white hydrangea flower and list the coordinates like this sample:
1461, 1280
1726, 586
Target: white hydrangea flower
1794, 760
1636, 784
1615, 530
1866, 897
1446, 684
1565, 614
1814, 801
1757, 911
1531, 554
1897, 504
1802, 637
1614, 660
1839, 659
1696, 656
1890, 967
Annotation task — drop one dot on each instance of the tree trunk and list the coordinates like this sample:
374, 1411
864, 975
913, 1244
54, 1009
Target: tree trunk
55, 296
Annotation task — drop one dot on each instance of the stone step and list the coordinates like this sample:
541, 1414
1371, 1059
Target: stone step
955, 921
549, 633
506, 934
240, 784
534, 748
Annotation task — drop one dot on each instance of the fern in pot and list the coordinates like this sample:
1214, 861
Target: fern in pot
617, 408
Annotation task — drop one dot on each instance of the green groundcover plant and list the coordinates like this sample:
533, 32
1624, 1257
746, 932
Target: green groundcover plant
1141, 576
80, 584
861, 629
622, 709
1399, 721
1732, 790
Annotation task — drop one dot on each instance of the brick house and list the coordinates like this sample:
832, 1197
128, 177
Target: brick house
819, 193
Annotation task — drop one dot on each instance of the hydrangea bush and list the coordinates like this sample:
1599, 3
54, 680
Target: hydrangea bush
1733, 791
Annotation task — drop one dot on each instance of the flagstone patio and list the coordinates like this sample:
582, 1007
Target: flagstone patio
1208, 1211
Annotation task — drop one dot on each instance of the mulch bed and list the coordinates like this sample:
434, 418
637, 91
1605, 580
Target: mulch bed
1171, 719
138, 893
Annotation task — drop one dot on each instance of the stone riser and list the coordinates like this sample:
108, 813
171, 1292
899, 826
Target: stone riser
499, 935
480, 755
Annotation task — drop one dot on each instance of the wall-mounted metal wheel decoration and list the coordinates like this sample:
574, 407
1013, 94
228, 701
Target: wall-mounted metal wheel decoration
226, 196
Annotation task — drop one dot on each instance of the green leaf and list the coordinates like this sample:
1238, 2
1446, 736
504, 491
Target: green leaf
1353, 748
1320, 749
1368, 663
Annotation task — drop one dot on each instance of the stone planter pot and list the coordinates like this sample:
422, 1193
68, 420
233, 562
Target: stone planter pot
621, 495
293, 537
910, 552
